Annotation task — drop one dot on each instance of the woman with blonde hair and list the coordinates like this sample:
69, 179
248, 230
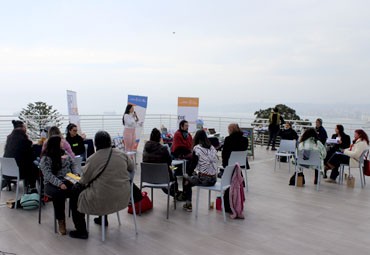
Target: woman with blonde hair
55, 131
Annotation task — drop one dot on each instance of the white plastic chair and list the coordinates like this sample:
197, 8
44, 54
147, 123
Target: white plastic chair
10, 168
78, 162
287, 149
218, 187
241, 158
177, 162
155, 176
314, 160
361, 162
132, 175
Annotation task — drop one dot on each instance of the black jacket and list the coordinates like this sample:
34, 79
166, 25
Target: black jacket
288, 134
77, 144
346, 142
234, 142
321, 132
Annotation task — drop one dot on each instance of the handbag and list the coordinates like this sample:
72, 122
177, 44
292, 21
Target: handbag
77, 188
30, 201
146, 204
366, 167
292, 179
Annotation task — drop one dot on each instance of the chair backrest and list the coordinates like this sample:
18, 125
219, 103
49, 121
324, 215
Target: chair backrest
238, 157
362, 158
9, 167
226, 176
313, 160
287, 146
156, 173
78, 163
86, 148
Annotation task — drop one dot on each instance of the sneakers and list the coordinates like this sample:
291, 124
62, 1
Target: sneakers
78, 234
273, 149
62, 227
188, 207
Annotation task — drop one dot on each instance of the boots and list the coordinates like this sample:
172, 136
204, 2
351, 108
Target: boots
62, 227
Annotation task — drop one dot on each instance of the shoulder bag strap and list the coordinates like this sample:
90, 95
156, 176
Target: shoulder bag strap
97, 176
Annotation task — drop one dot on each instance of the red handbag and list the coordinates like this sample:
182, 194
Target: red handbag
146, 204
366, 167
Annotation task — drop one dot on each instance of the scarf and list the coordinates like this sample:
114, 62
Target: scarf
354, 141
185, 134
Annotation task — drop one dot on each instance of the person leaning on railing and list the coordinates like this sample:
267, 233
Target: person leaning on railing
349, 156
310, 141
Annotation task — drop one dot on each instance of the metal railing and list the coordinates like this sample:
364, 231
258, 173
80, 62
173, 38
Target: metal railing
90, 124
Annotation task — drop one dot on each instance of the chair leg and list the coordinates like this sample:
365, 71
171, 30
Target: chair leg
196, 209
289, 163
246, 179
223, 206
134, 211
103, 228
296, 175
88, 222
55, 222
40, 199
209, 199
361, 178
174, 197
318, 180
168, 201
16, 194
153, 196
119, 219
275, 163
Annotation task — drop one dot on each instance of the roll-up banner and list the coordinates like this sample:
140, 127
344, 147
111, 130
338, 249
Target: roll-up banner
140, 103
188, 108
73, 109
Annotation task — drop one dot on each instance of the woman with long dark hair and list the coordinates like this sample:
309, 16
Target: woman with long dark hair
129, 120
204, 161
75, 140
19, 146
54, 130
310, 141
55, 165
343, 142
349, 156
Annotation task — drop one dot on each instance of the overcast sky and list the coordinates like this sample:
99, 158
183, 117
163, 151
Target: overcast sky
225, 52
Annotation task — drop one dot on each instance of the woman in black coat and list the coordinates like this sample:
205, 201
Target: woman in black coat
18, 146
344, 142
234, 142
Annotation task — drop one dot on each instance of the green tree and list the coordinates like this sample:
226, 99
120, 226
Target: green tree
285, 111
37, 116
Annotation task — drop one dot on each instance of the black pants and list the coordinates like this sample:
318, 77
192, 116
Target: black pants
197, 181
336, 160
273, 131
59, 199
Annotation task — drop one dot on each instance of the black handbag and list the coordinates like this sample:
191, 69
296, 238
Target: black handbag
77, 188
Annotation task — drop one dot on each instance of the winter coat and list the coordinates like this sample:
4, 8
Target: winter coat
234, 142
355, 153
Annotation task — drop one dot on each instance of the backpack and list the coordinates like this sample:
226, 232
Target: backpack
30, 201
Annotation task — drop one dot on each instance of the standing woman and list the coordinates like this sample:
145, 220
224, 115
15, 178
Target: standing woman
129, 120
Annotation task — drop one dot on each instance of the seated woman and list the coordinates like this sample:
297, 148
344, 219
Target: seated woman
110, 192
155, 152
310, 141
344, 142
349, 156
288, 133
55, 164
234, 142
19, 146
56, 131
204, 161
75, 140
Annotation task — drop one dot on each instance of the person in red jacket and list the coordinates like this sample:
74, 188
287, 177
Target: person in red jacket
182, 145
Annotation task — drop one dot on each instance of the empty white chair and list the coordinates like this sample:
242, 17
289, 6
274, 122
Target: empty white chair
287, 149
218, 187
10, 168
313, 160
241, 158
361, 162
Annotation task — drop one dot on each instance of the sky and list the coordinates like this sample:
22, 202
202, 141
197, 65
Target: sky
224, 52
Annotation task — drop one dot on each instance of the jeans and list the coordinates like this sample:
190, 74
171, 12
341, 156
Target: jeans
197, 181
273, 134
